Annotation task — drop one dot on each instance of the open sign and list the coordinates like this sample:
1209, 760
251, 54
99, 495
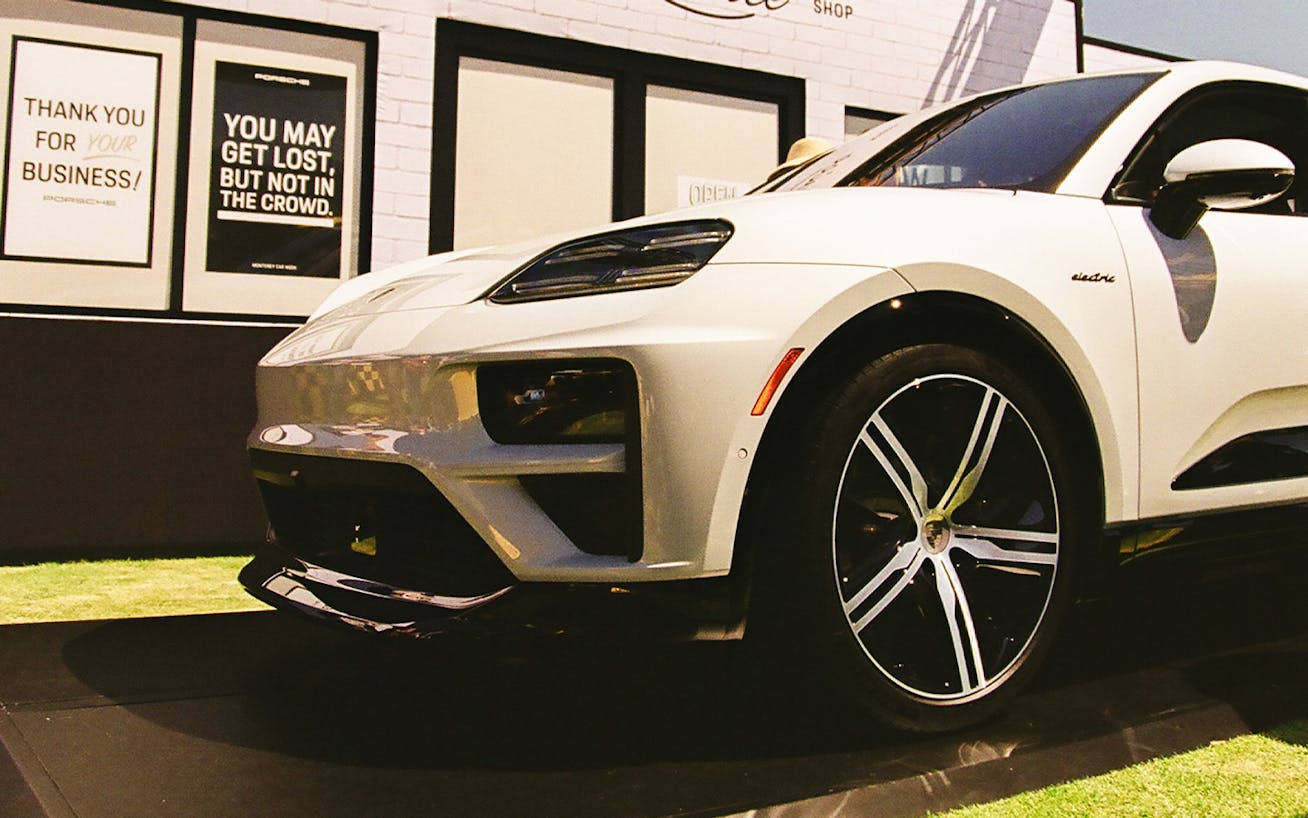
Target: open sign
694, 190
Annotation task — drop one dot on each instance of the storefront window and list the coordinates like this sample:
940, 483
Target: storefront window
534, 152
705, 147
535, 135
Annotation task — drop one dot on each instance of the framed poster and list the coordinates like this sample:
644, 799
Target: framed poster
90, 101
159, 159
80, 153
277, 172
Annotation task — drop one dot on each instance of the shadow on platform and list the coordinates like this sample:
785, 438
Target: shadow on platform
266, 714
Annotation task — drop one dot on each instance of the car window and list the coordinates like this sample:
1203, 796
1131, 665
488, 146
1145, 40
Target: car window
1273, 115
1023, 139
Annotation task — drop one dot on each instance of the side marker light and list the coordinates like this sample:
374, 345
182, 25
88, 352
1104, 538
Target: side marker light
778, 375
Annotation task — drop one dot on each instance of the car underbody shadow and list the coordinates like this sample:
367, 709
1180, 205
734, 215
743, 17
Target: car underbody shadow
726, 730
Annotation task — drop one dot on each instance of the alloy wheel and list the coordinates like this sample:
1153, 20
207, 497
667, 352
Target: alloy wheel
946, 538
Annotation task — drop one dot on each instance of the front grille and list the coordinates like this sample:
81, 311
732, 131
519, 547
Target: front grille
379, 521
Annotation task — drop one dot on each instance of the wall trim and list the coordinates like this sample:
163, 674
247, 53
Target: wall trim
1131, 49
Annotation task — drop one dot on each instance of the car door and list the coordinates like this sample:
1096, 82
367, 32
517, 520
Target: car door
1221, 317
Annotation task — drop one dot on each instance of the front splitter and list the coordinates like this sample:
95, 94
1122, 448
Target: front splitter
705, 609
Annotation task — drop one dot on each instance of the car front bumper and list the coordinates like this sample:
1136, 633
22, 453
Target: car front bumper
399, 385
368, 399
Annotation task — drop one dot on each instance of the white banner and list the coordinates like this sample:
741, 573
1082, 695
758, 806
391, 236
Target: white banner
80, 155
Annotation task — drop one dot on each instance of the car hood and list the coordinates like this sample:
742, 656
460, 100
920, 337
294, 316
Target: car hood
442, 280
806, 227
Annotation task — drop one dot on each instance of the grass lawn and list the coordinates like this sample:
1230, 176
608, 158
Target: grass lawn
117, 589
1262, 775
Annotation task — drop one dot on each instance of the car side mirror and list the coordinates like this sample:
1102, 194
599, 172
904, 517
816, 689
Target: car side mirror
1221, 174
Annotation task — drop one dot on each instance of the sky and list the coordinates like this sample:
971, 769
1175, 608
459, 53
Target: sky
1263, 32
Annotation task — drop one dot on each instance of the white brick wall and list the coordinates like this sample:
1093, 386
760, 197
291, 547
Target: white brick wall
1101, 58
891, 55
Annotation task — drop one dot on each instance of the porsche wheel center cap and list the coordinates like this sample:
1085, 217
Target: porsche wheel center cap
935, 533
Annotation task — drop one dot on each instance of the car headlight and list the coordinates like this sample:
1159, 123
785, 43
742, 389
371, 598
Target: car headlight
631, 259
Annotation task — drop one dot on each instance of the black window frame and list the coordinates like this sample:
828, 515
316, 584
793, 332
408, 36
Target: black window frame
881, 117
632, 73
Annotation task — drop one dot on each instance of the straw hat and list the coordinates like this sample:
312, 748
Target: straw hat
800, 152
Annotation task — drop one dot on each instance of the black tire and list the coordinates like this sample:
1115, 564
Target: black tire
921, 540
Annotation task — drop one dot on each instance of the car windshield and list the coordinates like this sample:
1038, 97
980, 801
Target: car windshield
1020, 139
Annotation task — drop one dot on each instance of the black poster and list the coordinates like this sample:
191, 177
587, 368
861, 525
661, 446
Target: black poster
278, 172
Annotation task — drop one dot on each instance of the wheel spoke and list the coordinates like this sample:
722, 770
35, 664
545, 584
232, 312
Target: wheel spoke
902, 559
980, 543
953, 601
944, 566
976, 531
916, 498
909, 565
987, 424
977, 428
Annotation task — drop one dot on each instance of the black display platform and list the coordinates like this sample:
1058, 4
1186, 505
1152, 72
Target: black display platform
262, 714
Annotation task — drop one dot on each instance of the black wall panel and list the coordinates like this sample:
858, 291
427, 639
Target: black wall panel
127, 437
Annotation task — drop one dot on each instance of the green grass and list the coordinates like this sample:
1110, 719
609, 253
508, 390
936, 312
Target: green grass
119, 589
1261, 775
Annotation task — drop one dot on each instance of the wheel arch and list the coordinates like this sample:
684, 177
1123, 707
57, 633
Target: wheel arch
917, 318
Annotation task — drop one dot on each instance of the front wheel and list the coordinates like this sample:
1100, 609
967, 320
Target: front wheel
928, 524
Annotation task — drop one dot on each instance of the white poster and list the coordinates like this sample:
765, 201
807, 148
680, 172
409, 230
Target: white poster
80, 154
